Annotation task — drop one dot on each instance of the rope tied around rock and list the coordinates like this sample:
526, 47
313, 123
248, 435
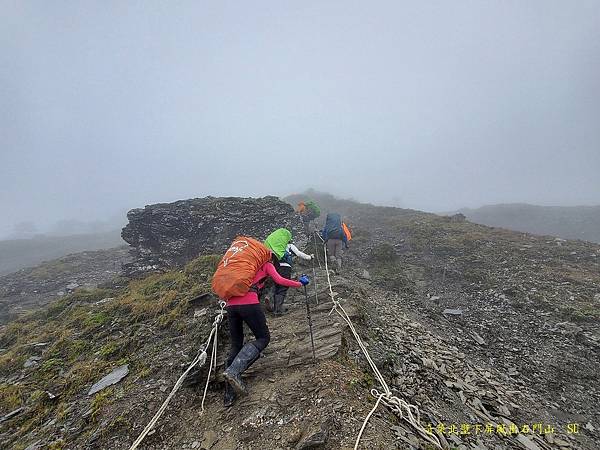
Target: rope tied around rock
403, 409
199, 360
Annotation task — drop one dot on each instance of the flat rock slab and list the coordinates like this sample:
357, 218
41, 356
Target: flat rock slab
12, 414
290, 337
112, 378
527, 443
453, 312
315, 440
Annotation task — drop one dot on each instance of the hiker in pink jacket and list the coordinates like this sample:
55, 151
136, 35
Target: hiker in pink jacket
247, 309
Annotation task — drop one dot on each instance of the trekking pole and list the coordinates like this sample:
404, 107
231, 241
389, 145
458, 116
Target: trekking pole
312, 340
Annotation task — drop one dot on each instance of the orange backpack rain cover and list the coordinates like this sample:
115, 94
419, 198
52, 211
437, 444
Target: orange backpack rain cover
347, 232
239, 265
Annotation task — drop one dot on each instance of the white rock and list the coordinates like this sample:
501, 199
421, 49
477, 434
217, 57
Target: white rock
112, 378
477, 338
32, 361
454, 312
199, 313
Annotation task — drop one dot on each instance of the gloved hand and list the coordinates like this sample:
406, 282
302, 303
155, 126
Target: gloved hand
304, 280
312, 256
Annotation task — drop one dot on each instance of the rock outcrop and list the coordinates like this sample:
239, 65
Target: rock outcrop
167, 235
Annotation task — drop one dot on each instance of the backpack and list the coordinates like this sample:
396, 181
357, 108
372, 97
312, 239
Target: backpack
347, 232
238, 266
314, 208
333, 226
278, 240
287, 257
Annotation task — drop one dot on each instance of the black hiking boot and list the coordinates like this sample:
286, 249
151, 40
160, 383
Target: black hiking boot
244, 359
230, 396
279, 309
267, 303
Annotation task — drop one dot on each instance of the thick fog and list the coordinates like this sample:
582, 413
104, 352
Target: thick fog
431, 105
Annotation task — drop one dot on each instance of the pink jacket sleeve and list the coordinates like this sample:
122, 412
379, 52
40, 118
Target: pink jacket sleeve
278, 278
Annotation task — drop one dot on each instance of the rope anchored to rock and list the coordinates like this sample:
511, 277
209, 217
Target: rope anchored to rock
400, 407
199, 361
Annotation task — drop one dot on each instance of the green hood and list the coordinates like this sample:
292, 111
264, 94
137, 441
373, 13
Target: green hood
278, 240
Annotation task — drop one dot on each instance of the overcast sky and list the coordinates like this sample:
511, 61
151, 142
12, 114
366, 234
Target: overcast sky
431, 105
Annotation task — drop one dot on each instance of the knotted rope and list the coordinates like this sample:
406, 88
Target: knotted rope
403, 409
199, 359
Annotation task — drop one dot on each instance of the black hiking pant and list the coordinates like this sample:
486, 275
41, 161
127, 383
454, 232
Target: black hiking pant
254, 317
278, 289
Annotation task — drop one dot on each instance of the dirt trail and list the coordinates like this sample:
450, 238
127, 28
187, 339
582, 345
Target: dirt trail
293, 401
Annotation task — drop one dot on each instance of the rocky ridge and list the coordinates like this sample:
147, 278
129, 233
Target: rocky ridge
168, 235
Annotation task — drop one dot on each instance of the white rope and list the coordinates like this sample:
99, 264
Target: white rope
316, 248
315, 279
213, 363
366, 420
403, 409
199, 359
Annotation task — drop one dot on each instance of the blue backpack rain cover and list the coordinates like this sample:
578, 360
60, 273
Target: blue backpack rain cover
333, 226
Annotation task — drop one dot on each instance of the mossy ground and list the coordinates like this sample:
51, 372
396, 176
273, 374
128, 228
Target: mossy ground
84, 338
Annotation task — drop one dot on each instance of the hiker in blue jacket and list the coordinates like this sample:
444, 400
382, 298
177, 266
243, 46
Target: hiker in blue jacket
334, 237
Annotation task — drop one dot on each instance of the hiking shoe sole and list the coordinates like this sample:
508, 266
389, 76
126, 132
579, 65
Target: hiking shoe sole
236, 384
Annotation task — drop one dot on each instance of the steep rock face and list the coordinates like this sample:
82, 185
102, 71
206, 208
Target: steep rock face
170, 234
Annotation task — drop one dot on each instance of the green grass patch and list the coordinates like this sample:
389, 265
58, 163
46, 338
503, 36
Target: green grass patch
110, 349
77, 331
100, 400
95, 320
11, 397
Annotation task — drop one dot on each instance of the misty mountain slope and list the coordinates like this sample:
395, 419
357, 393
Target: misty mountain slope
30, 288
19, 253
523, 350
569, 222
